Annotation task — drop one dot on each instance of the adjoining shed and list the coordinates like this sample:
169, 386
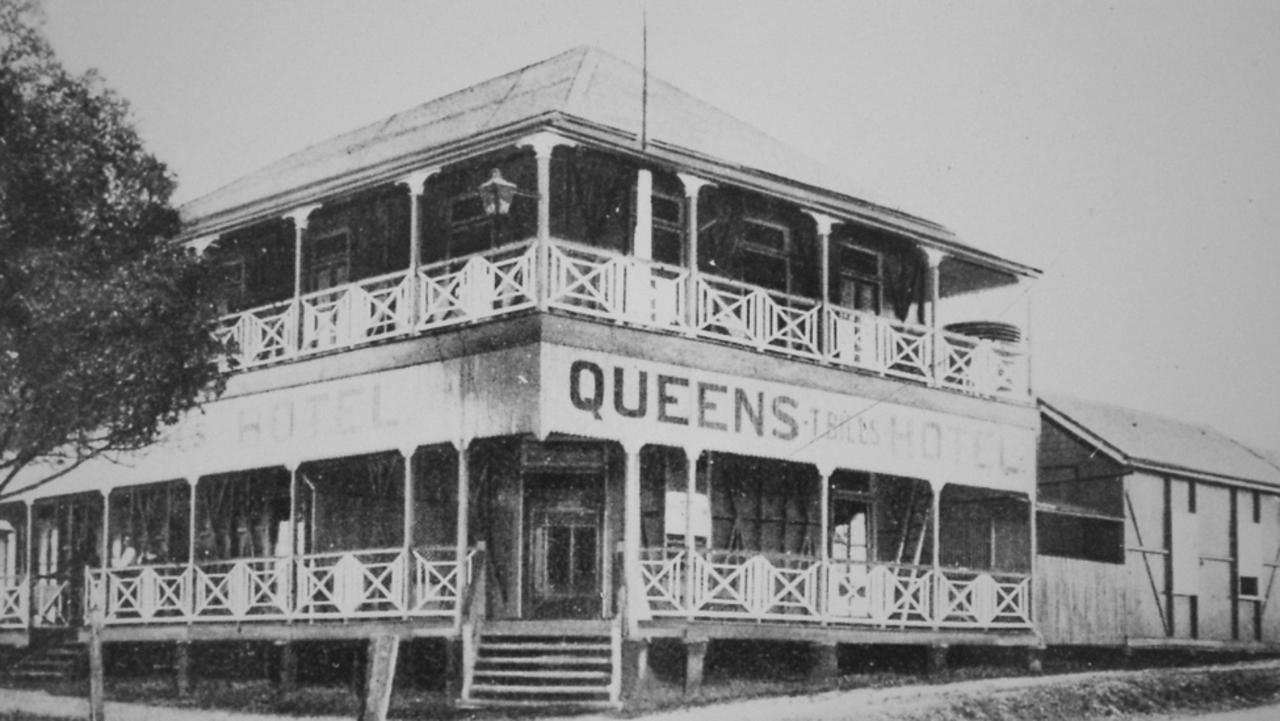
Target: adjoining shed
1153, 532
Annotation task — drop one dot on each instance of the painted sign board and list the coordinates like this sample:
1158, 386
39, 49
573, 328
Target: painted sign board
677, 509
597, 394
487, 394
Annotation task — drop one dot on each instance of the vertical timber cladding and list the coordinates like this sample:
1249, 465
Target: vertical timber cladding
480, 395
631, 400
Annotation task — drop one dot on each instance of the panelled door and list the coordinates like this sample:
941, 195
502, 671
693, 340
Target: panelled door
564, 545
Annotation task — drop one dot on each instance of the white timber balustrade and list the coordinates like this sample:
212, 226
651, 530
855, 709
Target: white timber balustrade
477, 287
740, 585
757, 317
15, 596
425, 581
606, 285
50, 601
367, 310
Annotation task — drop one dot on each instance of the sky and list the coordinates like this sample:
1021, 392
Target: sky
1130, 150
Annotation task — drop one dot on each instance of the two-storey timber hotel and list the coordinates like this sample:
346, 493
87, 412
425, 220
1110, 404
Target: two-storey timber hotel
503, 375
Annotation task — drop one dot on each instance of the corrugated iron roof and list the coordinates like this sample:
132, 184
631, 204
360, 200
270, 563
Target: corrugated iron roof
1148, 439
585, 83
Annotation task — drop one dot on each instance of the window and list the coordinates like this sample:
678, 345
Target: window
231, 286
329, 264
471, 230
8, 550
766, 254
856, 277
1191, 497
1257, 507
761, 505
1082, 537
668, 228
1249, 586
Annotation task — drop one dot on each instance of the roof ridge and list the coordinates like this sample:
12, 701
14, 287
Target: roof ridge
574, 85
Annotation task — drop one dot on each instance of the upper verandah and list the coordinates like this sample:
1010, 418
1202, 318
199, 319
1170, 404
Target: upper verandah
584, 93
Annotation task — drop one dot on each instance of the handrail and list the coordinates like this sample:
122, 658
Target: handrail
357, 583
604, 283
746, 585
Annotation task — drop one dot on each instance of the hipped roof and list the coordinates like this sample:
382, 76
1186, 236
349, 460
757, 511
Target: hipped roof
1158, 443
585, 90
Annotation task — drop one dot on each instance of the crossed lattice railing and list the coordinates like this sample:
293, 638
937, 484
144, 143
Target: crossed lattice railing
757, 317
15, 594
760, 587
603, 284
618, 287
476, 287
340, 585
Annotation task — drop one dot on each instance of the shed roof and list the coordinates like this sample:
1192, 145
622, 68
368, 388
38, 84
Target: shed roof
586, 84
1161, 443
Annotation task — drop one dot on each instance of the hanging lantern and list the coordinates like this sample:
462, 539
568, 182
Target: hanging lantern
497, 193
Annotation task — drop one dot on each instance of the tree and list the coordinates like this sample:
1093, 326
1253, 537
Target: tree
103, 318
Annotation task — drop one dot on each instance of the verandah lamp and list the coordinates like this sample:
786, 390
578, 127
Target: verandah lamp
497, 193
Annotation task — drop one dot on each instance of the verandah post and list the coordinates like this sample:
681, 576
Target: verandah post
824, 223
692, 184
104, 559
824, 532
300, 217
97, 690
633, 583
636, 280
543, 144
417, 184
30, 564
291, 579
937, 371
189, 601
463, 523
938, 606
407, 567
690, 543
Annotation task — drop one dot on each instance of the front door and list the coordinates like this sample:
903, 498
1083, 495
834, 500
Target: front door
564, 545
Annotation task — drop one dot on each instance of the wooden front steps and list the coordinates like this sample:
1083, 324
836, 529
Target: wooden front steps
537, 664
52, 656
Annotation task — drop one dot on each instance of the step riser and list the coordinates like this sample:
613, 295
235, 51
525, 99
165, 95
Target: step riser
522, 669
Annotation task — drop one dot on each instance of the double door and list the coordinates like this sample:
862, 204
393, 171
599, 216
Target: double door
564, 546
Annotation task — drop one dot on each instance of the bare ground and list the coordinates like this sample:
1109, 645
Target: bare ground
1065, 697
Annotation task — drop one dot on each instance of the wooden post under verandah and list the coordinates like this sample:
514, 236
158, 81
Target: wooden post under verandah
97, 691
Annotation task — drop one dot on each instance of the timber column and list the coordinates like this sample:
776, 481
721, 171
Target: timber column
543, 144
300, 217
635, 658
824, 223
417, 184
692, 184
933, 257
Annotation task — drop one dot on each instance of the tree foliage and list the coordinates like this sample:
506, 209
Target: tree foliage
103, 319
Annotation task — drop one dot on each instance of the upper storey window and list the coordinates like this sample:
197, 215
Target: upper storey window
592, 198
255, 265
329, 262
876, 272
757, 240
765, 254
857, 280
454, 218
668, 228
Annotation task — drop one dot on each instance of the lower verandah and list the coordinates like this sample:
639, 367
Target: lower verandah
377, 537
